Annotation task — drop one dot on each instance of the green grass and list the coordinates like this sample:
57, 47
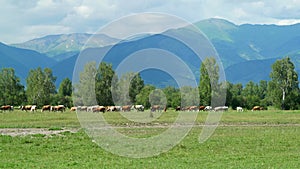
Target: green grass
252, 140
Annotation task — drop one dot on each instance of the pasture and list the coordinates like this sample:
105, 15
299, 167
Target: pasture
262, 139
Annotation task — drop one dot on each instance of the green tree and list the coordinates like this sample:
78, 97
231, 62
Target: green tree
84, 93
40, 86
284, 86
136, 85
209, 78
65, 93
173, 96
143, 96
12, 92
65, 87
106, 81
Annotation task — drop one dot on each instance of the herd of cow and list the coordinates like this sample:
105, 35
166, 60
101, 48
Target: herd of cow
103, 109
33, 108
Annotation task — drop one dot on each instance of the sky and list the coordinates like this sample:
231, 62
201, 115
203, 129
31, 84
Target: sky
22, 20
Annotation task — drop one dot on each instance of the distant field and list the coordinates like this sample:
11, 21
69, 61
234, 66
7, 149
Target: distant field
266, 139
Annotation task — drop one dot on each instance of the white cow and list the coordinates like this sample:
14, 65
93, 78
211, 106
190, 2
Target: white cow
239, 109
33, 108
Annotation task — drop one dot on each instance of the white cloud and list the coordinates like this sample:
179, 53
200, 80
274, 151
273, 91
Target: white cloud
18, 17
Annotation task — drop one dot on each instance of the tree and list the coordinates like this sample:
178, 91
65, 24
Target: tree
64, 93
209, 78
143, 96
12, 92
284, 86
136, 85
173, 96
106, 81
65, 87
40, 86
84, 93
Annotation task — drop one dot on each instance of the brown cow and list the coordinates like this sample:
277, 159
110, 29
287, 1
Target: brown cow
46, 107
99, 109
178, 108
58, 108
6, 107
126, 108
155, 108
201, 108
193, 108
257, 108
73, 109
27, 107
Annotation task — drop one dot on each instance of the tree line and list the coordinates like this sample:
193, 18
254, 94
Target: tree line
101, 86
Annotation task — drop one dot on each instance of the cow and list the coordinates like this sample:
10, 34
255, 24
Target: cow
126, 108
46, 107
155, 108
99, 109
58, 108
73, 109
138, 107
118, 108
193, 108
26, 108
33, 108
7, 107
239, 109
201, 108
221, 108
208, 108
178, 108
111, 108
257, 108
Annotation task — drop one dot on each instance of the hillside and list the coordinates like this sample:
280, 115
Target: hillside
66, 45
22, 60
246, 51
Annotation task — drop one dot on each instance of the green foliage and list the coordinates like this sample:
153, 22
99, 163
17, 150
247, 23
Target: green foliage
136, 85
283, 88
105, 81
12, 92
209, 77
84, 91
65, 87
143, 96
40, 86
173, 96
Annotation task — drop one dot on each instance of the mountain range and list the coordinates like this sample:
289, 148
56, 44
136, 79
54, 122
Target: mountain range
247, 51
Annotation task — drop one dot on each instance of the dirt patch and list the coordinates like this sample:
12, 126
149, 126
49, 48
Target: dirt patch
32, 131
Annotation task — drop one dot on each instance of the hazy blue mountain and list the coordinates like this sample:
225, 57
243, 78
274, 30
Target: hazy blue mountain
22, 60
247, 51
60, 46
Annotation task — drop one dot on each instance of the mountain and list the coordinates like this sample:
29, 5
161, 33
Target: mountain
22, 60
247, 51
57, 46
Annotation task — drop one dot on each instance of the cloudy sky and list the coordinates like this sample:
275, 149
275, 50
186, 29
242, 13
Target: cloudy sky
22, 20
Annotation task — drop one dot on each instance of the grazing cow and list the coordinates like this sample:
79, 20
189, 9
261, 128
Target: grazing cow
201, 108
257, 108
193, 108
221, 108
59, 108
73, 109
239, 109
111, 108
126, 108
138, 107
33, 108
7, 107
208, 108
118, 108
155, 108
178, 108
46, 107
99, 109
83, 108
27, 107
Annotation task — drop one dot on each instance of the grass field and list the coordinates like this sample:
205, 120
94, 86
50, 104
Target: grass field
266, 139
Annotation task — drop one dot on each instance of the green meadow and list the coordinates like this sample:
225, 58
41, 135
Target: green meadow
262, 139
